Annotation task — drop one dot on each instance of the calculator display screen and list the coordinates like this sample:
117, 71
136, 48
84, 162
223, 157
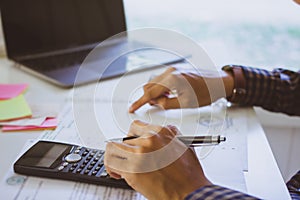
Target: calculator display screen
43, 155
51, 155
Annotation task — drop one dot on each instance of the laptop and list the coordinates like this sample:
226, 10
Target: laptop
51, 39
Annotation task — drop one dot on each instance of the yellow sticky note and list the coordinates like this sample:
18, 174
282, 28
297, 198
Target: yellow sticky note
14, 108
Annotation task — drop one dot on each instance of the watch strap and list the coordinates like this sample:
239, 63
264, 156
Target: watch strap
239, 91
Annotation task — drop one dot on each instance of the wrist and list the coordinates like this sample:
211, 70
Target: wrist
238, 92
228, 81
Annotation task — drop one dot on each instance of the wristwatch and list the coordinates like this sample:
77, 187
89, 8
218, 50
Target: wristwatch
239, 91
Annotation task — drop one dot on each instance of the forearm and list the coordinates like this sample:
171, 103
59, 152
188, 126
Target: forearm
277, 91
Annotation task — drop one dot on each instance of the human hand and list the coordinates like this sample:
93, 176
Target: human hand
155, 164
297, 1
193, 89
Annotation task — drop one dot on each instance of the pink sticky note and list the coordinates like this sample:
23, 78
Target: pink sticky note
9, 91
49, 123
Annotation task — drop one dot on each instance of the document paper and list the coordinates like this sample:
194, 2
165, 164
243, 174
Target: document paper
90, 121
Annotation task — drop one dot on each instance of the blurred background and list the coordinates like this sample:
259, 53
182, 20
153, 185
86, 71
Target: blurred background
257, 32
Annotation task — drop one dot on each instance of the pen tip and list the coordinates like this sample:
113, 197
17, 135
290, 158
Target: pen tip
222, 139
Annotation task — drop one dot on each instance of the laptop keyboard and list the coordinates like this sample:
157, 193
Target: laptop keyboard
50, 63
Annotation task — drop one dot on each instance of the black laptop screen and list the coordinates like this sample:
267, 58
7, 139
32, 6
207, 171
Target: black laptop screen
38, 26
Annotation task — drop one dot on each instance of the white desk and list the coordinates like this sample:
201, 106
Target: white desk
263, 178
38, 91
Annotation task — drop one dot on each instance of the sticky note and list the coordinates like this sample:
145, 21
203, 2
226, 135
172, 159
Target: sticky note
8, 91
34, 121
15, 108
49, 123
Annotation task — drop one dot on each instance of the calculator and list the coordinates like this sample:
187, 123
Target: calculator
66, 162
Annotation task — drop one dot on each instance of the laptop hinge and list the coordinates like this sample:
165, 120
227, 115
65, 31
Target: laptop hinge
87, 47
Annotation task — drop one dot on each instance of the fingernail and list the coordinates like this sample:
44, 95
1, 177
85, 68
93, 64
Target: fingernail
131, 109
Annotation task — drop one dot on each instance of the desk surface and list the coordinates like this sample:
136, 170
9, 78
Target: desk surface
263, 178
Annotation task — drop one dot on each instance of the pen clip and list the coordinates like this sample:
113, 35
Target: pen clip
202, 144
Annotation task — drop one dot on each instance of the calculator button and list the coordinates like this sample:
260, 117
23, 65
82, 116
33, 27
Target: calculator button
101, 163
94, 172
65, 164
82, 166
77, 151
104, 174
73, 157
89, 158
78, 170
60, 168
101, 151
86, 161
93, 163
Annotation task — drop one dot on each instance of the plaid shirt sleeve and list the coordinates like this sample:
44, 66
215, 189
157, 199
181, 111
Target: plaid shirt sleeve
293, 186
277, 90
214, 192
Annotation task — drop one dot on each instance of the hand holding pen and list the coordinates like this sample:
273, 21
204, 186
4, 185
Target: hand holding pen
153, 154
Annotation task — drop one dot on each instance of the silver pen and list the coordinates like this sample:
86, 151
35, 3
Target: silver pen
193, 141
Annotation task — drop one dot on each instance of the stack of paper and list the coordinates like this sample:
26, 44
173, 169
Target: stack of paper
15, 113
